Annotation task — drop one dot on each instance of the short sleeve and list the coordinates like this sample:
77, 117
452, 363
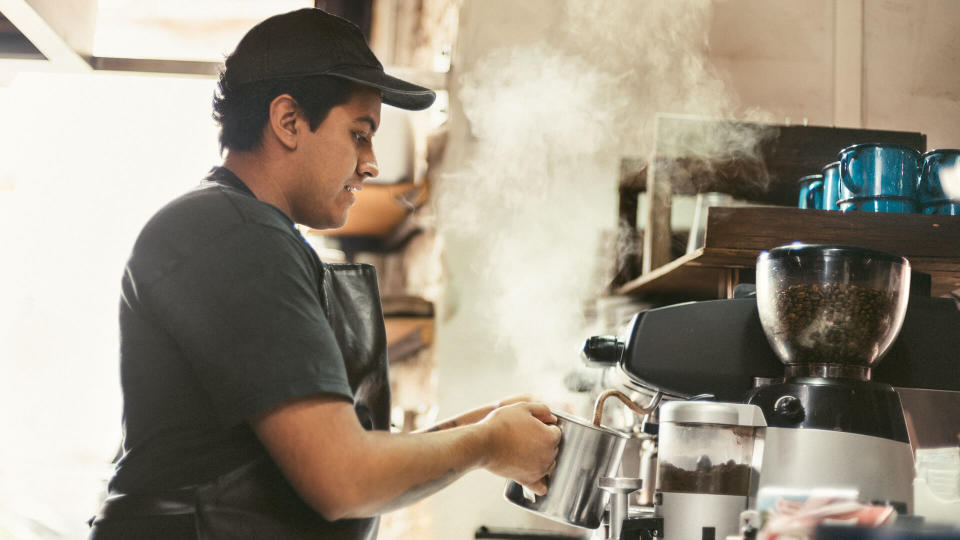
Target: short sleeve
247, 314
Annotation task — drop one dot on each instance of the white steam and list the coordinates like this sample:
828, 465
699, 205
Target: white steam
659, 49
525, 205
527, 213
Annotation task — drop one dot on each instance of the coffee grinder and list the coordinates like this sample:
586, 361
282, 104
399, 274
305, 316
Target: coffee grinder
709, 458
830, 313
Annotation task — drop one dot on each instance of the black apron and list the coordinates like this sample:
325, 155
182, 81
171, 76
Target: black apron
255, 501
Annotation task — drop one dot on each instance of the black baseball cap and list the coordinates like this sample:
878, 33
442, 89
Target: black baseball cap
311, 41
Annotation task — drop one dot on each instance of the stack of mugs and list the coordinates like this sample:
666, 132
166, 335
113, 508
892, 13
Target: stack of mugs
880, 177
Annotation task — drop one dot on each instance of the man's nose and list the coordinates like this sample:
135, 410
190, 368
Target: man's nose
367, 167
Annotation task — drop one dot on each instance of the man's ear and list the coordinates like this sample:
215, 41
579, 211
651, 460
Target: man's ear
282, 122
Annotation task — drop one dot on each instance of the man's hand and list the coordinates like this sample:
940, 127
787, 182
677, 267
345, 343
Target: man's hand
522, 443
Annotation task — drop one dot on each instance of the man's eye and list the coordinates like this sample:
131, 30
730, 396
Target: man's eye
359, 137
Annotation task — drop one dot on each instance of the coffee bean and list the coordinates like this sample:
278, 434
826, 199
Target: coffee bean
832, 322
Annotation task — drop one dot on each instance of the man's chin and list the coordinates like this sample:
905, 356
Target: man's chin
329, 224
340, 222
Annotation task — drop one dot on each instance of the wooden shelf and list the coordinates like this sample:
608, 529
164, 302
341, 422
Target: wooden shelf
768, 174
406, 336
409, 325
783, 155
399, 328
736, 236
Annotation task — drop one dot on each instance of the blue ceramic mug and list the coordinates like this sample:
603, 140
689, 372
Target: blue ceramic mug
879, 177
811, 192
831, 186
929, 190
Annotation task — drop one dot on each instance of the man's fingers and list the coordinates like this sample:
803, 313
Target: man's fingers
553, 467
557, 434
541, 412
539, 487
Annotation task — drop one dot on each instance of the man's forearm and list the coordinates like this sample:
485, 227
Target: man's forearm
421, 491
401, 469
344, 471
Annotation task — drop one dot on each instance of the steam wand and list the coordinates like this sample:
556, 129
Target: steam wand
642, 411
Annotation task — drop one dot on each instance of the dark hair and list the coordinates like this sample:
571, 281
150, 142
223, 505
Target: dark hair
242, 110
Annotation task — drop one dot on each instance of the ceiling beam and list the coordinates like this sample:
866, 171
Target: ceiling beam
47, 32
63, 31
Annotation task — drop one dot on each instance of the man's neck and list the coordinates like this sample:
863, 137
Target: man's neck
255, 170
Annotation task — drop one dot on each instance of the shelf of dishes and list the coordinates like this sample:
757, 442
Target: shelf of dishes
734, 237
879, 177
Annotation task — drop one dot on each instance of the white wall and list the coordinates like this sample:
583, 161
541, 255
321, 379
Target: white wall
912, 68
84, 161
777, 55
782, 56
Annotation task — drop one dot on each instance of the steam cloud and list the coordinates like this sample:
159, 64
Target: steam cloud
524, 215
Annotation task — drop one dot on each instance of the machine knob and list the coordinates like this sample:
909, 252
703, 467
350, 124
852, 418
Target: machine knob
789, 409
602, 351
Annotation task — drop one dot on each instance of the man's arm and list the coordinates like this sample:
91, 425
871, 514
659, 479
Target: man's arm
344, 471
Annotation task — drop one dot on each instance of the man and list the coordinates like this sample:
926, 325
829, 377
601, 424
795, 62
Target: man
256, 401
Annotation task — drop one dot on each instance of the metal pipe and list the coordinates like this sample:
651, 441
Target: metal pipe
642, 411
619, 489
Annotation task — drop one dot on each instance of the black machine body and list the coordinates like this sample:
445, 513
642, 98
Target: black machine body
718, 347
851, 406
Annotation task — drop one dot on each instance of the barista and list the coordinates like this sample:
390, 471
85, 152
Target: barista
254, 376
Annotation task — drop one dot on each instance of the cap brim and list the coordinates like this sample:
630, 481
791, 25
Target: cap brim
395, 92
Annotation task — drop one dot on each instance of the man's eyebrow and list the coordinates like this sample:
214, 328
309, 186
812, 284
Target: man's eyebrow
369, 120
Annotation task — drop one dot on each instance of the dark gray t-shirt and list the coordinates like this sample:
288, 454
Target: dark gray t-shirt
221, 318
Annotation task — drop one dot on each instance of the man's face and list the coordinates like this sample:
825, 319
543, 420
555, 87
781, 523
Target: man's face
334, 160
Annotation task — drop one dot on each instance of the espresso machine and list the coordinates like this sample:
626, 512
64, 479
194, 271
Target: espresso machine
798, 359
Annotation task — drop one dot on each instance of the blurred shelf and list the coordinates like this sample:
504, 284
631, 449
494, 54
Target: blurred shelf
736, 236
409, 324
406, 306
399, 328
379, 209
381, 219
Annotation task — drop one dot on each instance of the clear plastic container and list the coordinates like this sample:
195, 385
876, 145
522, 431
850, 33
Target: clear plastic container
831, 310
703, 450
